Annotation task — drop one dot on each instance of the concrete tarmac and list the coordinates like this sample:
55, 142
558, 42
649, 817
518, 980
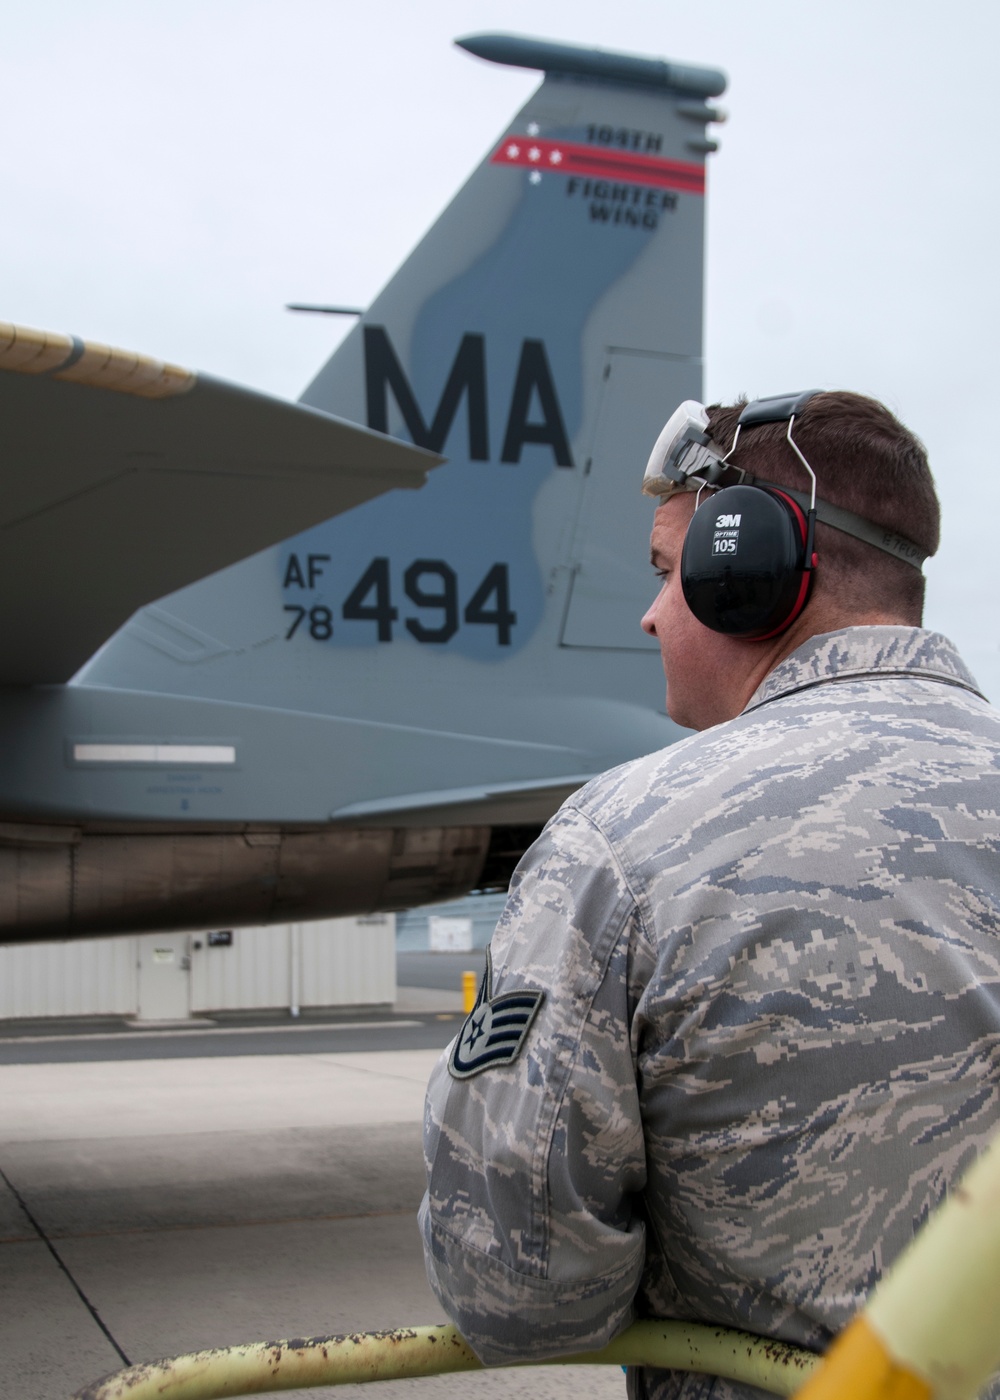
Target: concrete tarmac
210, 1199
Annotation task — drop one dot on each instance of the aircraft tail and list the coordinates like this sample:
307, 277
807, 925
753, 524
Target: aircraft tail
485, 629
539, 335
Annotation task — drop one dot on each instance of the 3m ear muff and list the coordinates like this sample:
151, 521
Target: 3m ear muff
747, 561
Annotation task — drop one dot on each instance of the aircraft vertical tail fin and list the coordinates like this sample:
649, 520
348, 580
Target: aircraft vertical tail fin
547, 323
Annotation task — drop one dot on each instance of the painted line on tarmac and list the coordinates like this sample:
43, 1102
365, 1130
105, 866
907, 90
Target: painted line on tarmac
158, 1228
129, 1034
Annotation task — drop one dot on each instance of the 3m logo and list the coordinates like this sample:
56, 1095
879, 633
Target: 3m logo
723, 522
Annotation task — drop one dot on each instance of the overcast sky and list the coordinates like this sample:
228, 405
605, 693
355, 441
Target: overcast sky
173, 174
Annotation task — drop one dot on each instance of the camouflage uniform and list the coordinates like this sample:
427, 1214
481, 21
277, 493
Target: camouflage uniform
769, 1030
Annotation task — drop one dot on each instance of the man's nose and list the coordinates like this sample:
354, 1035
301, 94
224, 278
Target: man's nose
648, 625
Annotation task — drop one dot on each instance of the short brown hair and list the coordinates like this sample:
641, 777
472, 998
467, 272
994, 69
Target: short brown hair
865, 461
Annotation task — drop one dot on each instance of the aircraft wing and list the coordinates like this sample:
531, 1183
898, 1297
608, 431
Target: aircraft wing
125, 478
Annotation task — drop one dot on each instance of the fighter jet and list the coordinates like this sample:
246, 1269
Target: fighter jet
249, 675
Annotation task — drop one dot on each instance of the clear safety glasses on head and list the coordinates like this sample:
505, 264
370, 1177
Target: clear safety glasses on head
684, 458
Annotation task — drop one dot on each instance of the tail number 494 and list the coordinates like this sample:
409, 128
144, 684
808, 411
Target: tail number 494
432, 586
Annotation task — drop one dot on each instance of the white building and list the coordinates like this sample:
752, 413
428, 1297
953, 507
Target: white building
171, 976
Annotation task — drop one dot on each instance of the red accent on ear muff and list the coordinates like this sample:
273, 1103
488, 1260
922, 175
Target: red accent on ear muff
803, 592
796, 510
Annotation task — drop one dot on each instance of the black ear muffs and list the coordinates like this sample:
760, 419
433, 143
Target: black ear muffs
744, 570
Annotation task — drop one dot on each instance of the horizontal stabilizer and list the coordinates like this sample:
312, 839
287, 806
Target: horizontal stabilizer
500, 803
125, 479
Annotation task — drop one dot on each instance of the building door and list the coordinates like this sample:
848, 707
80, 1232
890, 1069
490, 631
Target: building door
164, 977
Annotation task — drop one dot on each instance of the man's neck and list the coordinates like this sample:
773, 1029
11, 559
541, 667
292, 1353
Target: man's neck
758, 659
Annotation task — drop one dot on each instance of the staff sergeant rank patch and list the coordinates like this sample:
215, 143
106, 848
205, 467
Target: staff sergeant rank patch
495, 1028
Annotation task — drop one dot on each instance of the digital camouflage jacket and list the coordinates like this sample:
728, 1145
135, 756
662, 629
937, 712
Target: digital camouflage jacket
743, 1028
